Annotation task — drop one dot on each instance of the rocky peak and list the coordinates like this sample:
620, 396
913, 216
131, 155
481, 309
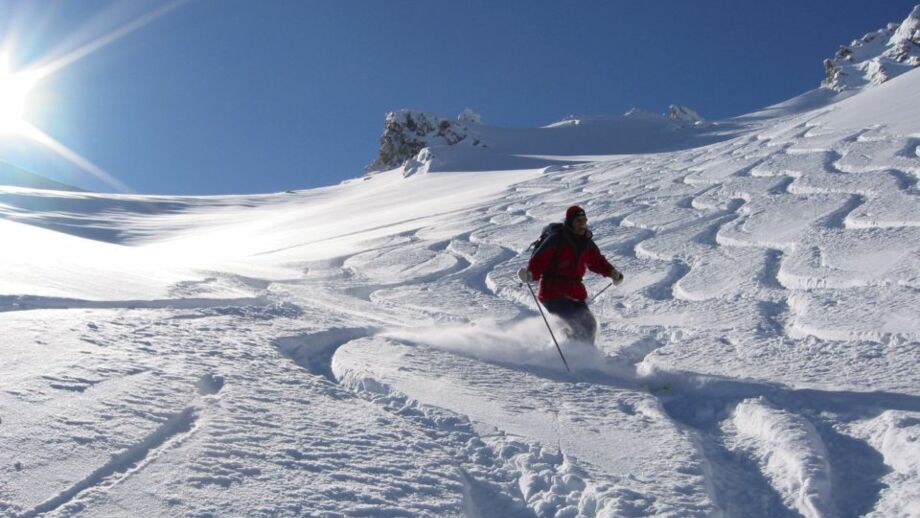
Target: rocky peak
876, 57
468, 115
685, 116
407, 132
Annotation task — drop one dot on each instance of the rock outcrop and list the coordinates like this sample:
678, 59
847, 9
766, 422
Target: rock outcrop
468, 115
685, 116
876, 57
407, 132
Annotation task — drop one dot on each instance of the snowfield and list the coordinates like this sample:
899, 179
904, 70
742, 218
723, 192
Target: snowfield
366, 349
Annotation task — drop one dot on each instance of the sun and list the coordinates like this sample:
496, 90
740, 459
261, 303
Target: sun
14, 99
16, 85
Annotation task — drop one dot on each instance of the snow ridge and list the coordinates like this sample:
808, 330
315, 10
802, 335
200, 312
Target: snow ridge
792, 454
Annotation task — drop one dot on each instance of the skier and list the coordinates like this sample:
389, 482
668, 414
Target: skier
559, 262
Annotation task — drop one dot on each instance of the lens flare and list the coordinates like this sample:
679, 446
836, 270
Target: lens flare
15, 87
14, 94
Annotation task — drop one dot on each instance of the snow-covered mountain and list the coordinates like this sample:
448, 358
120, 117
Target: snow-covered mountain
876, 57
420, 142
407, 132
685, 115
365, 349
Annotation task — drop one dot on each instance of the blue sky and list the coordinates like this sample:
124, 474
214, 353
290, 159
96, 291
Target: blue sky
235, 96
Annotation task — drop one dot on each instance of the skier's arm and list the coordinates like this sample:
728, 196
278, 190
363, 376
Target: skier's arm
597, 263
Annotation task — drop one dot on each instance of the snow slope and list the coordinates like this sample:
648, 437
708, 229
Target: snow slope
365, 349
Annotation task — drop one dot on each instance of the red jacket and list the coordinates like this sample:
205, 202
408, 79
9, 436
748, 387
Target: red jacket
560, 263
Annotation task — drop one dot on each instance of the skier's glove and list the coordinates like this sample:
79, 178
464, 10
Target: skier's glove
525, 275
617, 277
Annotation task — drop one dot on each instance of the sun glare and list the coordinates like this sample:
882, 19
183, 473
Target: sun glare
14, 97
16, 85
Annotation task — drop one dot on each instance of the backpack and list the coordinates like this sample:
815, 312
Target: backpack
548, 231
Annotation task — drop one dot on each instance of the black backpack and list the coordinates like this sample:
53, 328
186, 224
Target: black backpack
548, 231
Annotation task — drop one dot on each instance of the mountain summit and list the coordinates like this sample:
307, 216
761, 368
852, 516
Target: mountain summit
876, 57
407, 132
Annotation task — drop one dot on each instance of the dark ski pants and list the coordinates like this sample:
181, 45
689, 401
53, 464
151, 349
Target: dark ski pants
581, 323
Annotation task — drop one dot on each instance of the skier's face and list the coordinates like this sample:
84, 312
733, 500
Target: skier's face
580, 225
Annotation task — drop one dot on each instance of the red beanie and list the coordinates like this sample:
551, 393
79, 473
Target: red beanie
573, 212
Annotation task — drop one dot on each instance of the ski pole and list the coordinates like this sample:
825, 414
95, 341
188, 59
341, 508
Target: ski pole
550, 328
598, 294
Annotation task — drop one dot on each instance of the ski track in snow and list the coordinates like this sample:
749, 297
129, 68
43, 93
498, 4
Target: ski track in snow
760, 360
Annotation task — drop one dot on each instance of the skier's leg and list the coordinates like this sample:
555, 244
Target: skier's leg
565, 309
561, 306
584, 324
